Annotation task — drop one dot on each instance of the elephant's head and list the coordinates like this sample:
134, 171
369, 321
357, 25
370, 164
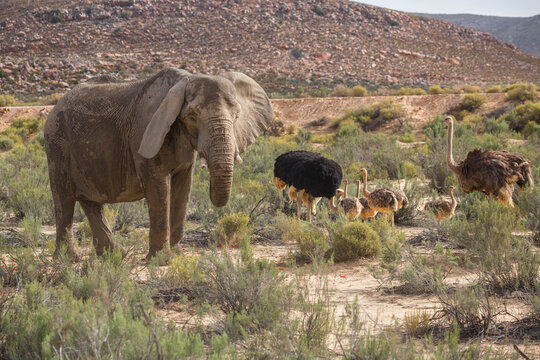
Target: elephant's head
218, 116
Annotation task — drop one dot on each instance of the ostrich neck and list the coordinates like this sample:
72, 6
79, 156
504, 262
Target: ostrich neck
334, 202
365, 190
454, 202
449, 152
346, 186
358, 189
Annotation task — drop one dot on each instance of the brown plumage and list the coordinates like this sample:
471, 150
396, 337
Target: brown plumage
493, 173
442, 209
351, 205
367, 211
382, 200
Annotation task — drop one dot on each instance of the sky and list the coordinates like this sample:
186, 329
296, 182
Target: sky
522, 8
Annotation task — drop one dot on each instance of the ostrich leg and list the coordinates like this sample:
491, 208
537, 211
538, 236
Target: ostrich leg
299, 203
310, 205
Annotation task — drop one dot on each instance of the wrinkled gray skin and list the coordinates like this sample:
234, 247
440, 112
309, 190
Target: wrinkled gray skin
109, 141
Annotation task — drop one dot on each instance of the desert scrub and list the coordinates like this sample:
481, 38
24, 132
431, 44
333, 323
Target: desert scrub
354, 240
356, 91
415, 192
24, 176
6, 143
494, 89
7, 100
408, 137
471, 102
52, 99
231, 229
311, 242
416, 323
411, 91
374, 116
47, 323
521, 92
506, 262
523, 114
181, 271
250, 292
436, 90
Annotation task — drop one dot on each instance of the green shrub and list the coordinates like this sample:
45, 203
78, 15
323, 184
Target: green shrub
232, 228
411, 91
6, 100
471, 309
470, 89
372, 117
436, 90
494, 89
520, 116
474, 122
521, 92
471, 102
52, 99
181, 271
408, 137
252, 294
6, 143
341, 91
358, 91
311, 243
355, 240
407, 215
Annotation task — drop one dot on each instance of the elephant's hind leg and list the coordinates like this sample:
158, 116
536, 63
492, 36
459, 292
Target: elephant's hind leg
63, 212
101, 232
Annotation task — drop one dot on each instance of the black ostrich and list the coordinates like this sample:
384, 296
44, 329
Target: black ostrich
309, 173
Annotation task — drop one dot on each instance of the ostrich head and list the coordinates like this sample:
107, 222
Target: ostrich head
447, 120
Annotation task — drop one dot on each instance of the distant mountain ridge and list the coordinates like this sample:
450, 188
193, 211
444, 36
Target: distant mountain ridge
523, 32
50, 44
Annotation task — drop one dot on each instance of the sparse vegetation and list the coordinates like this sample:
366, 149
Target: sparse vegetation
7, 100
521, 92
436, 90
411, 91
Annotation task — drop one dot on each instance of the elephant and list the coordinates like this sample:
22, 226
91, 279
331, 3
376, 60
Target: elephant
110, 141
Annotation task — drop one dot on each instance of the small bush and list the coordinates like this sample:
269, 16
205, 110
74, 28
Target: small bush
355, 240
297, 53
408, 137
436, 90
471, 102
494, 89
474, 121
521, 92
471, 309
372, 117
341, 91
408, 170
181, 271
470, 89
52, 99
520, 116
6, 100
358, 91
231, 229
416, 323
6, 143
311, 242
411, 91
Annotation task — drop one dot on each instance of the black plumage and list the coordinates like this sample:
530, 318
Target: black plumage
310, 172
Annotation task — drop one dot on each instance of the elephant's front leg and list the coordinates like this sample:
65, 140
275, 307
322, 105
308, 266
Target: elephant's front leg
180, 189
157, 192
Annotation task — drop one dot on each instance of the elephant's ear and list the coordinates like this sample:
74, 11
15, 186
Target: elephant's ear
256, 112
161, 122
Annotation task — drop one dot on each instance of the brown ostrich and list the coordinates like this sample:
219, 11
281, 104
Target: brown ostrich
381, 200
442, 209
367, 211
493, 173
351, 205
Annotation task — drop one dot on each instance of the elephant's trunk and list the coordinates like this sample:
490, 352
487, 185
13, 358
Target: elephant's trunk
221, 162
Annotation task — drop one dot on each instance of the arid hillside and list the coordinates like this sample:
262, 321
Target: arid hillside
48, 45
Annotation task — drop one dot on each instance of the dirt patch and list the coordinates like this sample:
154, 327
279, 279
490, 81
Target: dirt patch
418, 109
7, 114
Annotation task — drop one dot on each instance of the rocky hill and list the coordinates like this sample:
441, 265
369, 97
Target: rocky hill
50, 44
523, 32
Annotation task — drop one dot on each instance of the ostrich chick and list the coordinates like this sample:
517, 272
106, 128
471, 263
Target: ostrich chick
351, 205
381, 200
442, 209
367, 211
293, 196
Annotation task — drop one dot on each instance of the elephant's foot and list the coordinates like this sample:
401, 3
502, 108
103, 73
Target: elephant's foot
163, 256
